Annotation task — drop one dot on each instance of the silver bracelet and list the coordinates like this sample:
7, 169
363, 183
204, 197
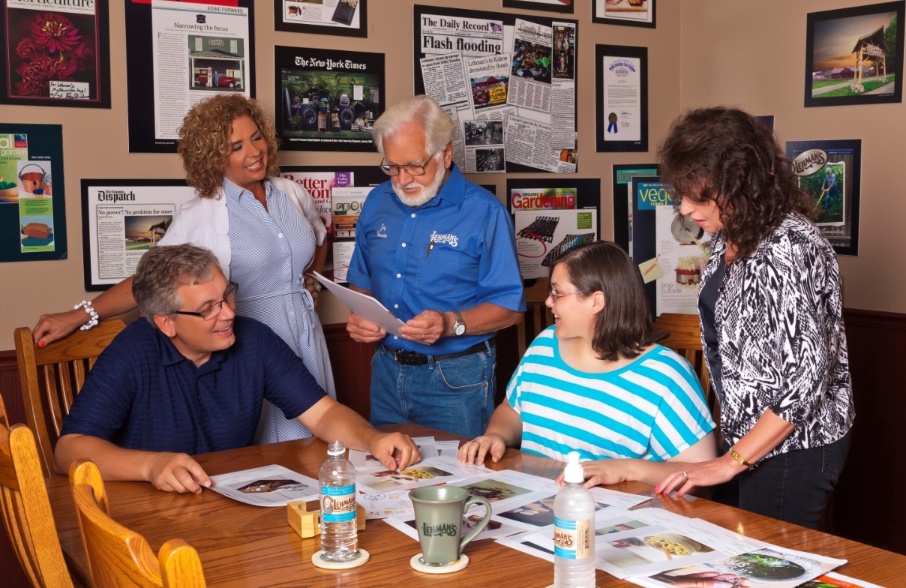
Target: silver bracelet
86, 304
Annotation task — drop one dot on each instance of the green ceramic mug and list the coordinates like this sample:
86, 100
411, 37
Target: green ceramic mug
439, 511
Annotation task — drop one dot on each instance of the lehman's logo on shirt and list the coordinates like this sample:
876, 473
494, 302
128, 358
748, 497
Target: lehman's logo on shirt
382, 232
449, 239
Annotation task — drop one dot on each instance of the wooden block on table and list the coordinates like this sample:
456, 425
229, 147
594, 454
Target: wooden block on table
307, 523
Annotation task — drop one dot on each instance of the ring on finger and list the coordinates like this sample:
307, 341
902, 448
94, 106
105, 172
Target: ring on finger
685, 475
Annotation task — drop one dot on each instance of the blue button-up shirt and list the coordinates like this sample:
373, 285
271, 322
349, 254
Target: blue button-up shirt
143, 394
453, 253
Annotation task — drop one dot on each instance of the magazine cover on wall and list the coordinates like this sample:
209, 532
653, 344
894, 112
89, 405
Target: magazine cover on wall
631, 13
669, 248
323, 183
327, 100
563, 6
322, 17
830, 171
55, 54
622, 199
855, 55
180, 53
121, 220
495, 71
32, 193
550, 217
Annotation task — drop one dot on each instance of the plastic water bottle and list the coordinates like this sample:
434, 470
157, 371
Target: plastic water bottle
339, 531
574, 530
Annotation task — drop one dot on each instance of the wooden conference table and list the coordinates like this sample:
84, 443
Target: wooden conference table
242, 545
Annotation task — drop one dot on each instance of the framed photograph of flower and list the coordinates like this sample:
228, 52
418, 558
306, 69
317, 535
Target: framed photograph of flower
854, 55
629, 13
55, 55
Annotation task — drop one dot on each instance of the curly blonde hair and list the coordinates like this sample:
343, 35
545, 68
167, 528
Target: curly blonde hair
204, 139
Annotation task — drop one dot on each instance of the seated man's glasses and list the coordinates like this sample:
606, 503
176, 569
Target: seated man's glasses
413, 169
210, 312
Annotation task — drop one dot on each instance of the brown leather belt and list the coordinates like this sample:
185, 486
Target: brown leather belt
403, 357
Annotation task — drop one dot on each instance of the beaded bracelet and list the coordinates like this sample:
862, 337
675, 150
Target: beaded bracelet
89, 310
735, 455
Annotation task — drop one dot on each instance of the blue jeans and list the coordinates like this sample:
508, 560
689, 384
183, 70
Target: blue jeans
454, 395
793, 487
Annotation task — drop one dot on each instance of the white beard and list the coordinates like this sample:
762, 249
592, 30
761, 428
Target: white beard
427, 192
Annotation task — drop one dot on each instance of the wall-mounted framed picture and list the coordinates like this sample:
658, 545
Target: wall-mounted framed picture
855, 56
622, 98
630, 13
55, 54
831, 173
327, 99
121, 220
348, 18
561, 6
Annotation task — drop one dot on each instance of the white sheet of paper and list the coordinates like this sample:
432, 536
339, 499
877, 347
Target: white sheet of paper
365, 306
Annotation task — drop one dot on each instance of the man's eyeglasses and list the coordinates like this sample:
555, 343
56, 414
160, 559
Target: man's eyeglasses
557, 295
413, 169
209, 312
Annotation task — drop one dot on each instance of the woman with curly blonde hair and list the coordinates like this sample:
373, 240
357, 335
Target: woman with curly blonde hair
264, 230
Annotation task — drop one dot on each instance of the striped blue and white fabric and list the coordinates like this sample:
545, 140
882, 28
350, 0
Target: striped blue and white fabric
650, 409
270, 250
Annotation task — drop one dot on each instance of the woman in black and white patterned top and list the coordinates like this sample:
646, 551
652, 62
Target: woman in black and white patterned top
772, 319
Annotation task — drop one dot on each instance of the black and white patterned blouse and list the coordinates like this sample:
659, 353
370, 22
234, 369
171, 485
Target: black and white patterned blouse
779, 322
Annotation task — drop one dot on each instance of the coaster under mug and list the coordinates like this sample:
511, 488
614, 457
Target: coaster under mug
417, 565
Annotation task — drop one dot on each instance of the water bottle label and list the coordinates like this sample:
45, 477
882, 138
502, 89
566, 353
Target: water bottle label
338, 504
572, 539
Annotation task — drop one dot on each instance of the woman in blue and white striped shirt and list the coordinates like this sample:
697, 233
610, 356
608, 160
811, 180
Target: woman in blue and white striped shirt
597, 383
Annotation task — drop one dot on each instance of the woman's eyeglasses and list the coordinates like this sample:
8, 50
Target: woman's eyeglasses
209, 312
557, 295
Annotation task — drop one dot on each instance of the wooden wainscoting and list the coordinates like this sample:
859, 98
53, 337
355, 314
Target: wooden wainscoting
872, 489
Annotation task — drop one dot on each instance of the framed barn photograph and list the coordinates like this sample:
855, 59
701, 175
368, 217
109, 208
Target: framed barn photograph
855, 56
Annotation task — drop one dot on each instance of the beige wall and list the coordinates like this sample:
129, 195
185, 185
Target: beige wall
96, 144
752, 55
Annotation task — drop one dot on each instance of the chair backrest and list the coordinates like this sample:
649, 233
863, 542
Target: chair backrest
684, 337
26, 508
52, 376
536, 311
118, 556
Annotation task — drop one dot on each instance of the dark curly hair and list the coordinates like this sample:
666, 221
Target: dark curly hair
725, 155
623, 328
204, 139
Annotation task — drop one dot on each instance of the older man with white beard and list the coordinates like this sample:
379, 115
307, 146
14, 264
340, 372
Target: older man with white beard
439, 252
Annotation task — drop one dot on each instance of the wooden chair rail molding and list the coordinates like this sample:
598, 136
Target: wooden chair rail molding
52, 376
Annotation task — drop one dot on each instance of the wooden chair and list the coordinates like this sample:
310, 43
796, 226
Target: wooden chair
536, 310
118, 556
684, 337
26, 509
52, 376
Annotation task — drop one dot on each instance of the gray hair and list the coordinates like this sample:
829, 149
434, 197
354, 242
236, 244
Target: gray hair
424, 110
163, 269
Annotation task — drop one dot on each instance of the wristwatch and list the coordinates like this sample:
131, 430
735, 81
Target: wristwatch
459, 327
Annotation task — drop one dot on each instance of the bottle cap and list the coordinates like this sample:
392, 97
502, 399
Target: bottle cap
336, 448
573, 474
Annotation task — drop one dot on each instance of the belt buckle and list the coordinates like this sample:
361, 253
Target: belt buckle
404, 357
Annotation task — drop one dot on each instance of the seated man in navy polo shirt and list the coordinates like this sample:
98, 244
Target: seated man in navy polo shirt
192, 378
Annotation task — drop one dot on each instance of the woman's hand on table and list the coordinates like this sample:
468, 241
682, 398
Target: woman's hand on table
177, 472
698, 475
603, 471
394, 450
479, 448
